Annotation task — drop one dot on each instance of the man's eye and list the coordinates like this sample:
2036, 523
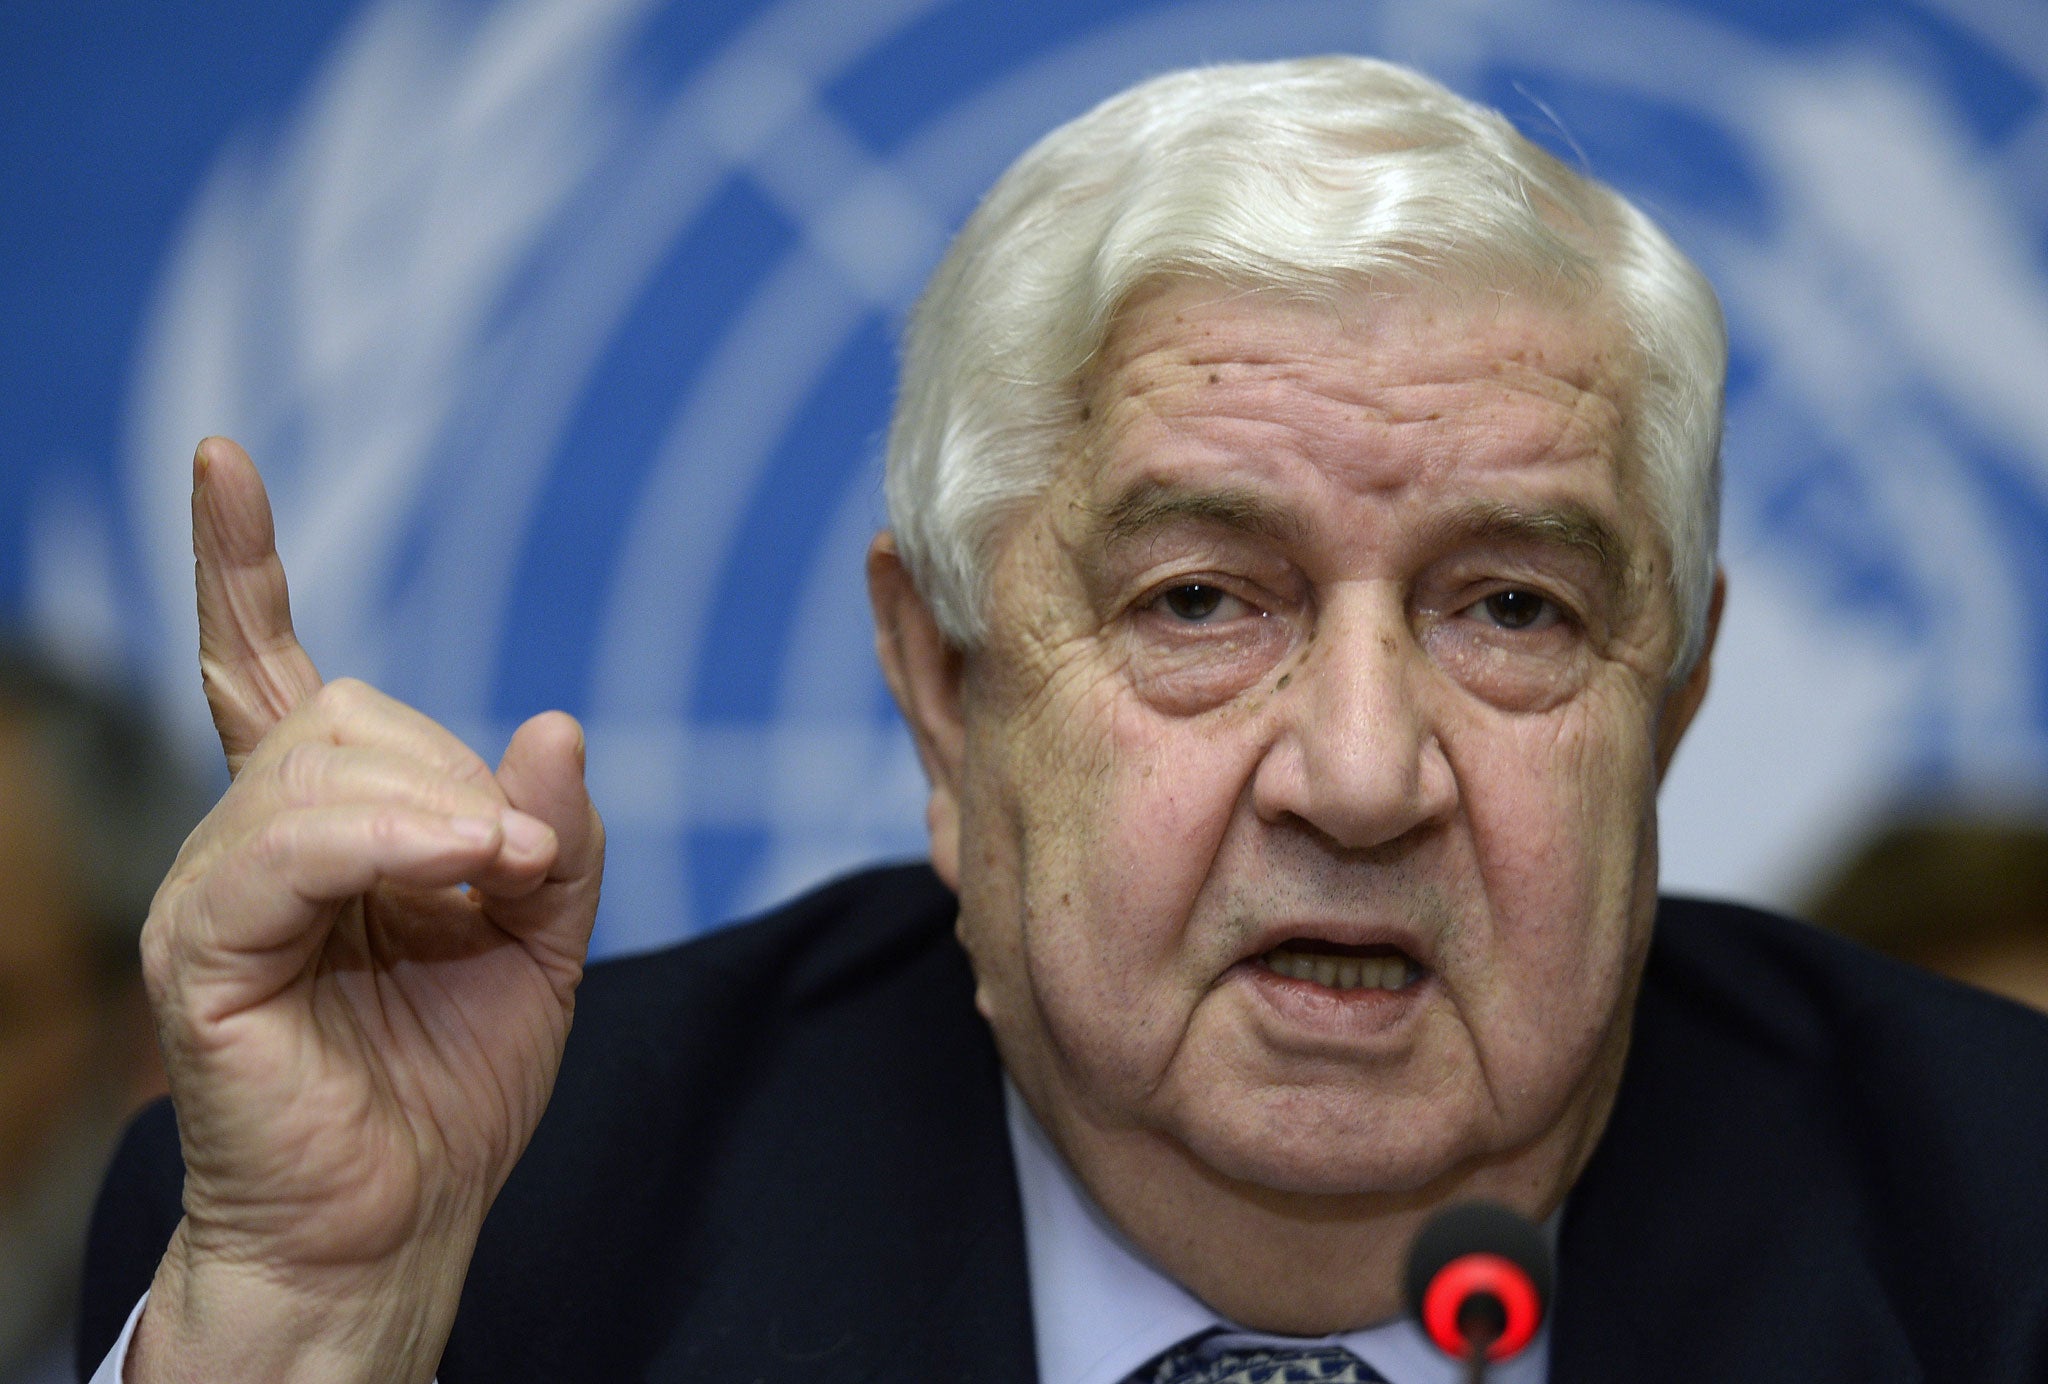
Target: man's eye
1196, 602
1518, 610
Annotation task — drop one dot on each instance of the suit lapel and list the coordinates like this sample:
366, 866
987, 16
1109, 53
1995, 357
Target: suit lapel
1712, 1237
879, 1236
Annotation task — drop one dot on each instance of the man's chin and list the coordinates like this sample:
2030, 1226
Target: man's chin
1388, 1160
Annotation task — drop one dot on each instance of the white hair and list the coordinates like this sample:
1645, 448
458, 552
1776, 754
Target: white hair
1310, 178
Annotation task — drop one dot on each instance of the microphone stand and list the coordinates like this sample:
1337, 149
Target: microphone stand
1481, 1320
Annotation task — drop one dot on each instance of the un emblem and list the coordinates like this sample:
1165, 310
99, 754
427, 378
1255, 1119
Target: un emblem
563, 329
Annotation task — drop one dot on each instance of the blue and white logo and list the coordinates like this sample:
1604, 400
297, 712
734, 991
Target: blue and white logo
563, 330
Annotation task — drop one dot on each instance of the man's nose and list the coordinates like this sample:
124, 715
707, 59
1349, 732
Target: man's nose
1357, 755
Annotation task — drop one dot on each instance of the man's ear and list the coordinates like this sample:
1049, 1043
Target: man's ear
1682, 703
925, 674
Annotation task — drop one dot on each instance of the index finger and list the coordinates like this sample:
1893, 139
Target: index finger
249, 658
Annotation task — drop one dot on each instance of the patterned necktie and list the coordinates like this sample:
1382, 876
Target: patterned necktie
1192, 1362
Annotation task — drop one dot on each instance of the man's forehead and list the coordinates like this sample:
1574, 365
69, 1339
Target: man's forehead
1578, 334
1389, 386
1204, 392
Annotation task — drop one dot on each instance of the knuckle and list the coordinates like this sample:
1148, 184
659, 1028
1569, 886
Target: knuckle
214, 678
163, 950
344, 698
303, 770
387, 829
277, 843
158, 952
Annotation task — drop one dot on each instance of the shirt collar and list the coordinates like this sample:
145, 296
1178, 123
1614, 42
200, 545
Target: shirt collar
1100, 1309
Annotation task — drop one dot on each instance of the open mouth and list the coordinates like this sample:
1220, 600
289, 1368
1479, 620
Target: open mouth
1336, 966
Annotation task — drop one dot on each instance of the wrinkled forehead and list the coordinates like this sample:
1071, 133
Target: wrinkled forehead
1574, 332
1388, 383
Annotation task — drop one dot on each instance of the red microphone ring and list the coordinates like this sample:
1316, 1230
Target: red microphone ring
1481, 1273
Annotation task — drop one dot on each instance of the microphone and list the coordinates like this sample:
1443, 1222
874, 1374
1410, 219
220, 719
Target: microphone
1478, 1281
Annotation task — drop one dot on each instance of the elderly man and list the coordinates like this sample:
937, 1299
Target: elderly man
1301, 574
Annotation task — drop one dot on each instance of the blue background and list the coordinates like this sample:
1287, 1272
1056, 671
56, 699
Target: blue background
564, 331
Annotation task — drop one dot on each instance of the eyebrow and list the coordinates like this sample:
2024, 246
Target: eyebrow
1555, 526
1150, 505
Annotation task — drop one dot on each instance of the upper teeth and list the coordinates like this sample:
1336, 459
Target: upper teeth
1341, 972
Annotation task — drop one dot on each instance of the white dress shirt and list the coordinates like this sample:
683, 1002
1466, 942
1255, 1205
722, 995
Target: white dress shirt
1100, 1310
115, 1365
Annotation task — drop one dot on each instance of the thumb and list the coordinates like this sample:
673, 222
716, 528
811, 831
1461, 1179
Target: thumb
249, 657
542, 775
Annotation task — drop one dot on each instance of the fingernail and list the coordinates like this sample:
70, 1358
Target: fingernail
477, 829
523, 834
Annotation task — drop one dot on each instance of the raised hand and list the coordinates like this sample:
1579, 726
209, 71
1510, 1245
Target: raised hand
363, 967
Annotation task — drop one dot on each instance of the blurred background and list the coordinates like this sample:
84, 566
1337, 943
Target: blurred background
93, 805
563, 331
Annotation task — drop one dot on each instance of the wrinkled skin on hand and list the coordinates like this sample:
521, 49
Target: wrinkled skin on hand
363, 967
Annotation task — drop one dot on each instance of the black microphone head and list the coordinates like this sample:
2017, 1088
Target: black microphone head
1479, 1278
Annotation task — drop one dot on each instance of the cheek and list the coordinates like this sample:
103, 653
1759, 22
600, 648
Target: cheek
1564, 834
1107, 816
1563, 796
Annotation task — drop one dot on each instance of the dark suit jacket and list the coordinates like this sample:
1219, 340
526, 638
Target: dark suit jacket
778, 1154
